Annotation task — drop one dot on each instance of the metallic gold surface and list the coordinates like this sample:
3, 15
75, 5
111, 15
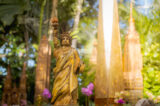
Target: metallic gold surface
109, 75
68, 65
6, 96
106, 102
43, 67
15, 100
133, 62
101, 78
22, 87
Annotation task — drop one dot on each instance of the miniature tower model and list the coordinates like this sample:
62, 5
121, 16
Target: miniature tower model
133, 62
22, 87
43, 67
109, 73
6, 97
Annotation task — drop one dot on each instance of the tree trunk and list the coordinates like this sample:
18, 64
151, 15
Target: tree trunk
26, 36
76, 20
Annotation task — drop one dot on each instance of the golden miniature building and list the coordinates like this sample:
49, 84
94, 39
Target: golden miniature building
22, 87
6, 96
109, 73
43, 67
133, 63
13, 95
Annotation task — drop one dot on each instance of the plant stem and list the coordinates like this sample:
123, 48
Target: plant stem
41, 19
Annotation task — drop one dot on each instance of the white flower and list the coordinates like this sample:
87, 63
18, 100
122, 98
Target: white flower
115, 100
122, 92
157, 100
150, 95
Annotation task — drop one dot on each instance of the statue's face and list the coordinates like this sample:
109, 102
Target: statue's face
65, 41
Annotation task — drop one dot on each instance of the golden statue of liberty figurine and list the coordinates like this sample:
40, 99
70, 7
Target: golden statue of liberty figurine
68, 65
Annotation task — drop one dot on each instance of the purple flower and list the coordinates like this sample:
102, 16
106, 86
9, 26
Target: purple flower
90, 86
86, 91
46, 93
89, 92
121, 101
4, 105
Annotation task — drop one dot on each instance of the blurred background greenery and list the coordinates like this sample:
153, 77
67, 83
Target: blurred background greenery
23, 22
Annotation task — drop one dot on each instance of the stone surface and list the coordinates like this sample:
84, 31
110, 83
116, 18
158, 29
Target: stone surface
145, 102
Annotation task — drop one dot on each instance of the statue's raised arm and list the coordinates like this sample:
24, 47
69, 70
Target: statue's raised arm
56, 40
55, 32
68, 66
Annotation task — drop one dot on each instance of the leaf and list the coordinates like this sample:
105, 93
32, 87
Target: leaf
35, 46
74, 33
156, 88
76, 37
147, 85
10, 8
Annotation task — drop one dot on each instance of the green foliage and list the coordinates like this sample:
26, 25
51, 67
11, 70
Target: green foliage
88, 22
87, 30
66, 11
151, 70
10, 8
74, 35
85, 78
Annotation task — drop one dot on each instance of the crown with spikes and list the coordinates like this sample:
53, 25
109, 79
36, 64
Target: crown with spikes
66, 34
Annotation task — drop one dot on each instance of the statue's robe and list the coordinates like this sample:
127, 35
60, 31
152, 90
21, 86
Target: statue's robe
65, 88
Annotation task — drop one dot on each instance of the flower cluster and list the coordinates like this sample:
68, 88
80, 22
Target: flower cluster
23, 102
89, 90
120, 97
155, 99
46, 93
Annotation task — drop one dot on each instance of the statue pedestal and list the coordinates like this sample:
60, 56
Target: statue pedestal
106, 102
